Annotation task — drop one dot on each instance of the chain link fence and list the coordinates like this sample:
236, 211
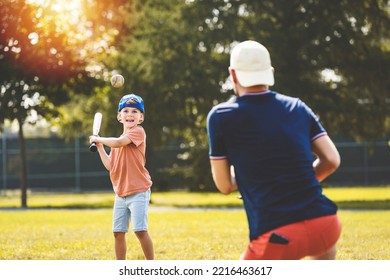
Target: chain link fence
58, 165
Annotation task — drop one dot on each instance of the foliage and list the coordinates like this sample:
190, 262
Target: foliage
44, 59
37, 62
333, 55
47, 60
108, 19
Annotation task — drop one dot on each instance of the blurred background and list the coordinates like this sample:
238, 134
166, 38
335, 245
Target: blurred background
57, 57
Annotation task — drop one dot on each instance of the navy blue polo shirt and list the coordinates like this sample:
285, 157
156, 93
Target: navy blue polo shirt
267, 138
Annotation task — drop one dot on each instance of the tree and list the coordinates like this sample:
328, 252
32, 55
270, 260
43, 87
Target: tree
334, 55
44, 58
349, 39
178, 54
21, 71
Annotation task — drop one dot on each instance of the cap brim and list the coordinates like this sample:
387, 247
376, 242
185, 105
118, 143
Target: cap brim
252, 78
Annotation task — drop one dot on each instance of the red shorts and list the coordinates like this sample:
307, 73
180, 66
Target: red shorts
295, 241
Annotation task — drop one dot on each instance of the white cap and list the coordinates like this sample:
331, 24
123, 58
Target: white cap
252, 64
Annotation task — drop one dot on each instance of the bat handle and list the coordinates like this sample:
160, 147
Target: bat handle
93, 147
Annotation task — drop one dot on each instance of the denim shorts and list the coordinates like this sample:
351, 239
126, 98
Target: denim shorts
132, 208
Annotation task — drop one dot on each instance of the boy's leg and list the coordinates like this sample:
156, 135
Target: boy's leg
120, 245
120, 225
146, 244
139, 216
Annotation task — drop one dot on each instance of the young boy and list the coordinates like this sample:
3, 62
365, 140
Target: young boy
130, 179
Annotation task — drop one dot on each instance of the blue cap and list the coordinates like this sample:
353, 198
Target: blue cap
132, 101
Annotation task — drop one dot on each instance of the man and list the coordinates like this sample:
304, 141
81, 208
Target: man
262, 142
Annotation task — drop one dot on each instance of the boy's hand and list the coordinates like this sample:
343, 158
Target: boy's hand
95, 139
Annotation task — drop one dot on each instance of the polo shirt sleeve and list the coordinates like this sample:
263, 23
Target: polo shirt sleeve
316, 128
217, 147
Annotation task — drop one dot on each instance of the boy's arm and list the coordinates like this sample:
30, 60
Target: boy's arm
112, 142
104, 156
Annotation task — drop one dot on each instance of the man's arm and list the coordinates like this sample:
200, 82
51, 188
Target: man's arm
328, 158
222, 176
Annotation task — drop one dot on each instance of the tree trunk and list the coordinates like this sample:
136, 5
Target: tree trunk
23, 170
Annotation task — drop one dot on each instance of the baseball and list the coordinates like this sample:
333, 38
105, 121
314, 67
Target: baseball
117, 81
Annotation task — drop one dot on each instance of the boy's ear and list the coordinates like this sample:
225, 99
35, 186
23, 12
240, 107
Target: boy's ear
141, 119
118, 117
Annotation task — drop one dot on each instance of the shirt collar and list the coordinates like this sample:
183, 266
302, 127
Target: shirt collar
256, 93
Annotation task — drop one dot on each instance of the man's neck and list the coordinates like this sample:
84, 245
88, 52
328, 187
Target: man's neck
254, 89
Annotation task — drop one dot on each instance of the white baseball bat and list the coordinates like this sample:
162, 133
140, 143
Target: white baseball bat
97, 121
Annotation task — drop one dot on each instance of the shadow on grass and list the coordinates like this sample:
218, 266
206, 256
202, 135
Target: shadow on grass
344, 205
200, 206
65, 206
365, 204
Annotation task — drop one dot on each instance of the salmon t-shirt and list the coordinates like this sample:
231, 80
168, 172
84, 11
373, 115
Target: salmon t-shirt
127, 168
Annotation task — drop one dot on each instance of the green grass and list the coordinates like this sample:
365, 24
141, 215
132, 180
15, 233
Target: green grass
86, 234
360, 197
184, 226
59, 200
177, 235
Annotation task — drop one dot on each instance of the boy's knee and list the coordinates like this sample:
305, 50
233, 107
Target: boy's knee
141, 234
119, 234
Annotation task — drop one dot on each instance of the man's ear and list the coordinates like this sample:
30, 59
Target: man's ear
233, 75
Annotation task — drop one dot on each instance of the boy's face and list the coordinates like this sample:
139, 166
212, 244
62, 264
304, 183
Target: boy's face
130, 117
